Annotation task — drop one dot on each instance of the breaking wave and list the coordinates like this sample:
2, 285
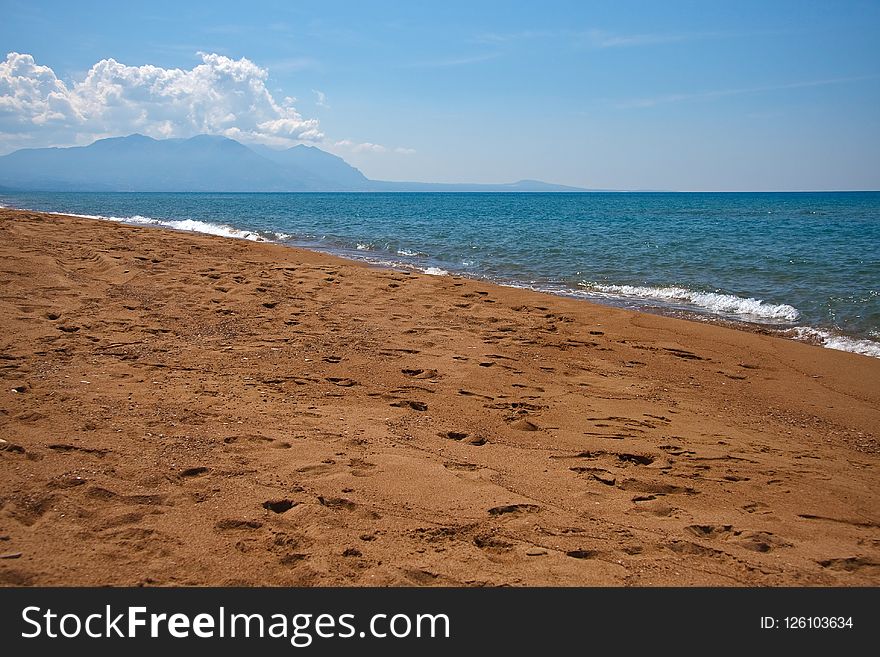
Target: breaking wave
727, 304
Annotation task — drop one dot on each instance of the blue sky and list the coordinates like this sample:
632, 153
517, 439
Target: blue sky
620, 95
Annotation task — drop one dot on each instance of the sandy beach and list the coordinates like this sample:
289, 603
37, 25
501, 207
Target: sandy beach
180, 409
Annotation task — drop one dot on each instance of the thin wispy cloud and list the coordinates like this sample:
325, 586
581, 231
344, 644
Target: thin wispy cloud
227, 30
721, 93
280, 26
370, 147
455, 61
509, 37
186, 49
320, 98
601, 39
293, 64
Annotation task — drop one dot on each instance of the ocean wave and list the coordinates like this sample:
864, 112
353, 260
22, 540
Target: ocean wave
746, 307
833, 341
190, 225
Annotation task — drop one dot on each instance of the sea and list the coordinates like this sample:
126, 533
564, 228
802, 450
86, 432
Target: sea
803, 265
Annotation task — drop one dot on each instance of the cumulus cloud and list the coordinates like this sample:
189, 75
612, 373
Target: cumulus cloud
221, 96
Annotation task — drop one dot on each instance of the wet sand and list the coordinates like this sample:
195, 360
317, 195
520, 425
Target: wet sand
180, 409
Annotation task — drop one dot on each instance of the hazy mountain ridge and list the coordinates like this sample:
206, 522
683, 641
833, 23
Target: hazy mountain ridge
204, 163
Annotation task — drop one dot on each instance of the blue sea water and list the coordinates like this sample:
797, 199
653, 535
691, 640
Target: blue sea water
806, 264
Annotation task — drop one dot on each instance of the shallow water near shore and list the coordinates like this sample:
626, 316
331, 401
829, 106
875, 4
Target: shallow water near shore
804, 264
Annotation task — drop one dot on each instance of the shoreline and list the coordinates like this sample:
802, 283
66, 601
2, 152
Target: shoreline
184, 409
805, 334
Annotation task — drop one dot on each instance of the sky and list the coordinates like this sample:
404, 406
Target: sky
672, 95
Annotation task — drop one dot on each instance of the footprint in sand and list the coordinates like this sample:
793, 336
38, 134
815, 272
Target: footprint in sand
420, 374
756, 541
599, 474
341, 381
61, 447
637, 459
408, 403
466, 467
462, 437
514, 509
710, 531
468, 393
686, 355
6, 446
228, 524
653, 488
337, 503
524, 425
851, 564
279, 506
316, 468
194, 472
693, 549
582, 554
361, 468
453, 435
492, 543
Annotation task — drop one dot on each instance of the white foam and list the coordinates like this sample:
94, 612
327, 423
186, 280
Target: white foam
435, 271
74, 214
839, 342
191, 225
363, 247
408, 253
195, 226
746, 307
136, 219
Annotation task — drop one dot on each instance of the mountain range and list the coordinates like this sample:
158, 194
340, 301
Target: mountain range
206, 163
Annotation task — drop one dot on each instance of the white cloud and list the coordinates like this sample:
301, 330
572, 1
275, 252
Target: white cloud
454, 61
362, 147
602, 39
320, 98
369, 147
346, 147
720, 93
219, 96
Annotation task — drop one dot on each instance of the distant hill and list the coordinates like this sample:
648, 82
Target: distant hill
519, 186
205, 163
321, 169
